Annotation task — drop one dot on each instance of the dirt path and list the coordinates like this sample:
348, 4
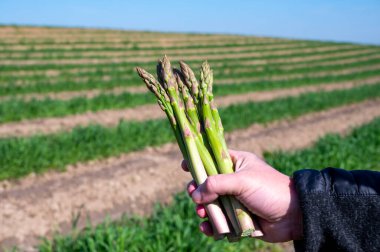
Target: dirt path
223, 81
145, 112
249, 69
126, 43
66, 95
147, 52
346, 71
177, 57
94, 92
246, 62
306, 58
37, 205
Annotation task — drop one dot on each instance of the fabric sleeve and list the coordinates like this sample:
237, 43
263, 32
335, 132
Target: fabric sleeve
341, 210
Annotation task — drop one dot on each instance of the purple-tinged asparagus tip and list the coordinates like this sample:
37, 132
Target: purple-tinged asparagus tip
187, 132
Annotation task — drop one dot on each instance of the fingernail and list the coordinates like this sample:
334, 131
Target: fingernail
196, 195
201, 227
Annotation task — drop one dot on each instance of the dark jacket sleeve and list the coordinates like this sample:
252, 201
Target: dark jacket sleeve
341, 210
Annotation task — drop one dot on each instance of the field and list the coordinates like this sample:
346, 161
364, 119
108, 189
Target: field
86, 153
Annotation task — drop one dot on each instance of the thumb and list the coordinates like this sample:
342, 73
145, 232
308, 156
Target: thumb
222, 184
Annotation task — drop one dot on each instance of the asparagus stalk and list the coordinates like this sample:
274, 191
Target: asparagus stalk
198, 128
214, 131
172, 105
163, 101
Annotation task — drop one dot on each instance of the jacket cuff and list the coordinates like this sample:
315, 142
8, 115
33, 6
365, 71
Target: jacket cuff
339, 212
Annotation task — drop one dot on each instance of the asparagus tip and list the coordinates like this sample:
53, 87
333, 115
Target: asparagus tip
167, 72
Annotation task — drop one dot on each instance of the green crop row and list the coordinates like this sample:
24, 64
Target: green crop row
135, 47
99, 70
57, 87
175, 227
230, 61
158, 53
42, 152
220, 74
358, 151
19, 109
240, 40
170, 228
108, 48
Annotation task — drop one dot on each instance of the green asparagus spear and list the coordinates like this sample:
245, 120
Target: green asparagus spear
214, 131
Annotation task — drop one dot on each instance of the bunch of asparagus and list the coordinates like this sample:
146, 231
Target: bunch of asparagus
194, 118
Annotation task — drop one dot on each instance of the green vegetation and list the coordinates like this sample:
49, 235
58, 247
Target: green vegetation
238, 71
75, 53
40, 153
358, 150
18, 109
48, 65
96, 80
91, 71
170, 228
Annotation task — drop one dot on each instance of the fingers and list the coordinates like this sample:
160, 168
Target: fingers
206, 228
234, 155
191, 187
201, 211
214, 186
184, 166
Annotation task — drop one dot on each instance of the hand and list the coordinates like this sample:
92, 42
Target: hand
267, 193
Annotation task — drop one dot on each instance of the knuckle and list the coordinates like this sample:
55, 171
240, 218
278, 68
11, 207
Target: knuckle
210, 184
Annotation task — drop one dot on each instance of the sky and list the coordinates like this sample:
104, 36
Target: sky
333, 20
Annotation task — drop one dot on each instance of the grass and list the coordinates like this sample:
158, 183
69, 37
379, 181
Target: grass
93, 82
172, 228
229, 43
175, 227
18, 109
45, 152
48, 65
129, 75
39, 75
50, 53
359, 150
64, 55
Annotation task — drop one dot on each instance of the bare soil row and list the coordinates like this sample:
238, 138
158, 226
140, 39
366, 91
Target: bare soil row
246, 62
39, 205
66, 95
145, 52
226, 81
146, 112
176, 57
83, 43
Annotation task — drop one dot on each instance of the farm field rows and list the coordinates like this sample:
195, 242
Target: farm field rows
156, 233
79, 133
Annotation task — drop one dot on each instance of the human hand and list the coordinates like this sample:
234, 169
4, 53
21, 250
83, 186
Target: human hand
267, 193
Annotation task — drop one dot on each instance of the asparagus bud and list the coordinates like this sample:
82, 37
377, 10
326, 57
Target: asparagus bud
190, 80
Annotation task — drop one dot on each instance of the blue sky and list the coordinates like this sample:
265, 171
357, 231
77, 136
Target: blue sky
339, 20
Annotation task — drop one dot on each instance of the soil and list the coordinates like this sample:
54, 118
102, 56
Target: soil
39, 205
246, 62
145, 112
189, 57
67, 95
146, 52
226, 81
346, 71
